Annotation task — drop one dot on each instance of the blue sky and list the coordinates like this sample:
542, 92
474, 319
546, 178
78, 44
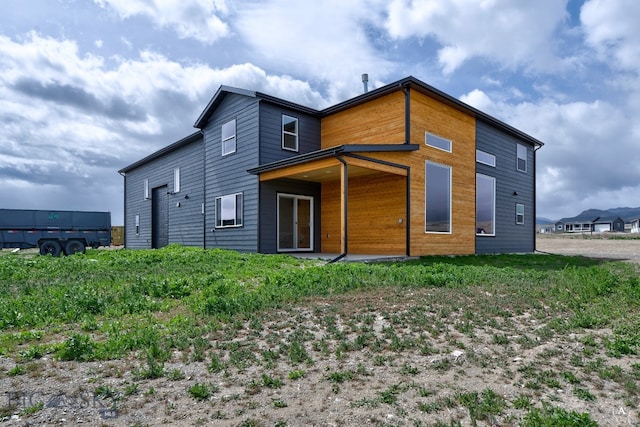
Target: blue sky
90, 86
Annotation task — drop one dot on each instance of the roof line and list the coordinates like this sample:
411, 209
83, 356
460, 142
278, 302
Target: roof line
169, 148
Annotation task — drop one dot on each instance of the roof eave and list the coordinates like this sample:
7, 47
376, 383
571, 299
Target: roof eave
169, 148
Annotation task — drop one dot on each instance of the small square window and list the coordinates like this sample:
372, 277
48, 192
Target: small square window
485, 158
519, 213
229, 211
229, 137
289, 133
437, 142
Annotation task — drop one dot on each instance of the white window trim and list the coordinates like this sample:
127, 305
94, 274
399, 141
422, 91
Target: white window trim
519, 222
297, 148
146, 189
176, 180
235, 141
426, 141
450, 198
295, 197
526, 162
484, 153
493, 225
234, 195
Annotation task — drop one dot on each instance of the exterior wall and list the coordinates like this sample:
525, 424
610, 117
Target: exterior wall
380, 121
429, 115
271, 133
269, 191
376, 215
228, 175
185, 221
509, 236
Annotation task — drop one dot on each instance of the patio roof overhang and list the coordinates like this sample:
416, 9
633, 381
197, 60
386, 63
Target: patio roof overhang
325, 165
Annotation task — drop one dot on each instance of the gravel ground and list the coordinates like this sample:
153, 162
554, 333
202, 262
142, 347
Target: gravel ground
624, 249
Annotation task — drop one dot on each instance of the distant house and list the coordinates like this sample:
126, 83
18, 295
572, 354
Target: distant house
582, 224
401, 170
635, 225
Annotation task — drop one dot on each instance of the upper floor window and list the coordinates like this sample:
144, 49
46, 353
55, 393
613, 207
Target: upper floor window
485, 158
522, 158
176, 180
437, 142
229, 137
229, 210
437, 198
289, 133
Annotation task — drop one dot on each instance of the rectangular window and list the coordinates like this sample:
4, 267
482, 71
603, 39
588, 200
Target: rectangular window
229, 211
522, 158
137, 225
437, 142
289, 133
519, 213
176, 180
485, 205
485, 158
146, 189
229, 137
437, 198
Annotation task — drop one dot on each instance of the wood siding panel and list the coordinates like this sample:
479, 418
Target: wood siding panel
429, 115
509, 236
185, 221
380, 121
331, 212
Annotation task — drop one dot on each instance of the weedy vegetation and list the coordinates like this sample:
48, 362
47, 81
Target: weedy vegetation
471, 340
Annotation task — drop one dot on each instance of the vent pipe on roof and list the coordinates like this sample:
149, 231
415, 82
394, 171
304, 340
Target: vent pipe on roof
365, 81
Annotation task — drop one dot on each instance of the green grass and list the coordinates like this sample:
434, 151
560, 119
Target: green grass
151, 305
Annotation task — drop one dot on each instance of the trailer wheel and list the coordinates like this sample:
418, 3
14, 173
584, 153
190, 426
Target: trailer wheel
50, 247
74, 247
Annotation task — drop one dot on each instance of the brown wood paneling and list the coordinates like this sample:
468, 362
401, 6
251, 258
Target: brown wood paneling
377, 215
380, 121
331, 212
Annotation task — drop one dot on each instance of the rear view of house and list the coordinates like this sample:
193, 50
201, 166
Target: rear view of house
401, 170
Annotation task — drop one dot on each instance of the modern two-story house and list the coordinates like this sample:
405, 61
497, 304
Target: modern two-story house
401, 170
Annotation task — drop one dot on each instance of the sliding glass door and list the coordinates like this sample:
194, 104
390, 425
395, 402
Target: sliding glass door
295, 223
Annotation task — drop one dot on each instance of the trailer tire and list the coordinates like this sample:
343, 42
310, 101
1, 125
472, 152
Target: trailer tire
50, 247
74, 247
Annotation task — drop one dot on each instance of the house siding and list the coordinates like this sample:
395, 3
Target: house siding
271, 133
509, 236
228, 174
185, 221
269, 191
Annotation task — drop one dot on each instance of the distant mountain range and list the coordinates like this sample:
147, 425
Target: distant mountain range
626, 214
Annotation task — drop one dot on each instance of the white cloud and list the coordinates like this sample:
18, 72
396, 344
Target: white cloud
512, 34
197, 19
611, 27
324, 41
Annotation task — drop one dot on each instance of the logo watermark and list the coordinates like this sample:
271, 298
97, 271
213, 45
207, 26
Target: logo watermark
25, 399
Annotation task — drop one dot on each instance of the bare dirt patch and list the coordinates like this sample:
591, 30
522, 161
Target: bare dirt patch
385, 357
613, 247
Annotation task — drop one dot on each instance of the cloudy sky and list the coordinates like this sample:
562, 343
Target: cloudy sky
90, 86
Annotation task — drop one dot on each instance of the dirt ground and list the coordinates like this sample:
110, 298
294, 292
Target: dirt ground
619, 248
399, 376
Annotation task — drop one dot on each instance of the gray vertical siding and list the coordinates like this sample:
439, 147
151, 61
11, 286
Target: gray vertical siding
228, 175
185, 221
509, 236
269, 191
